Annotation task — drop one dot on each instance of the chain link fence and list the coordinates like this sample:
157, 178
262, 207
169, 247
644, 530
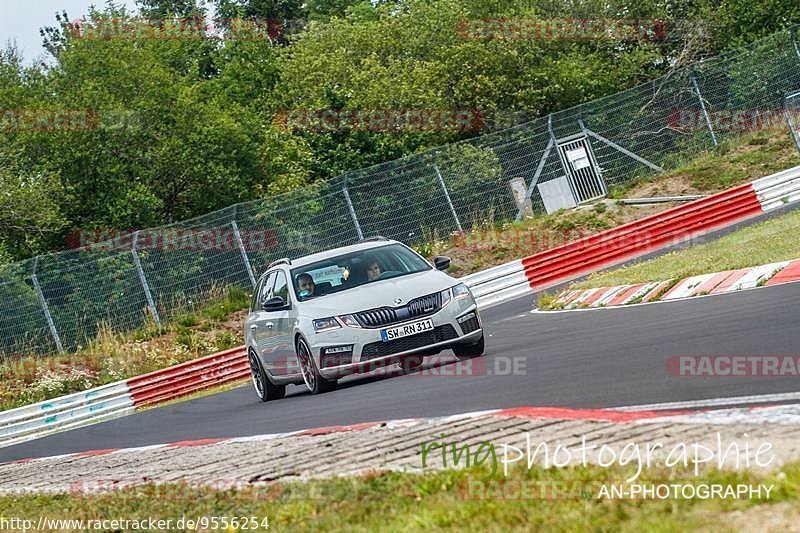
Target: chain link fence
59, 301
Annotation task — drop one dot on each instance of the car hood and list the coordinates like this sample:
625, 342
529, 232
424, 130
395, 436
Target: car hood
379, 294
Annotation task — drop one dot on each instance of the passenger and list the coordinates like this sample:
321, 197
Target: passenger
305, 285
373, 271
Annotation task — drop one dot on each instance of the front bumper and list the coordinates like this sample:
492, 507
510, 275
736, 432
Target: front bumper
369, 352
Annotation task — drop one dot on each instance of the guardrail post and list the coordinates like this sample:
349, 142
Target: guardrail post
447, 195
150, 303
703, 107
45, 308
240, 244
352, 211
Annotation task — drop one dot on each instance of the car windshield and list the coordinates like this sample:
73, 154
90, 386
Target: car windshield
355, 269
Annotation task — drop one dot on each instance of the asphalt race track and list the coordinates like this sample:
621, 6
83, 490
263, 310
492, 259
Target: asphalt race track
591, 359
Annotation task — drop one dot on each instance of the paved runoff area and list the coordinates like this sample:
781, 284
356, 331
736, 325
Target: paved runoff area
761, 437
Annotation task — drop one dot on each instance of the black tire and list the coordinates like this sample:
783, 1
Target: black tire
468, 351
264, 388
308, 368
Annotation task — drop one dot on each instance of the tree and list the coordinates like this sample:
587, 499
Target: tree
166, 8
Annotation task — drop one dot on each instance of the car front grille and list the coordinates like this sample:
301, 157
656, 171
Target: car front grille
420, 340
384, 316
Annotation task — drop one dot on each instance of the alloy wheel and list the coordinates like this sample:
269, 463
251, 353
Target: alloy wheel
306, 365
255, 371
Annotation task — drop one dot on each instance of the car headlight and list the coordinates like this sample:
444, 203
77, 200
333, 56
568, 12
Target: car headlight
460, 291
326, 324
350, 320
446, 297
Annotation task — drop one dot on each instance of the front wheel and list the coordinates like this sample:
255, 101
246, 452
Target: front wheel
308, 368
468, 351
265, 390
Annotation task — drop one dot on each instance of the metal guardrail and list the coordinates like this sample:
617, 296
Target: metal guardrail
66, 412
636, 238
778, 189
122, 397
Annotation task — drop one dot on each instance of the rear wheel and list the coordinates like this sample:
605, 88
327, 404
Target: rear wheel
308, 368
468, 351
265, 390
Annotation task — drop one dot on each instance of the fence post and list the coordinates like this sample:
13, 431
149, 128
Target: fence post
240, 244
447, 195
790, 123
352, 211
550, 145
790, 116
793, 33
703, 107
150, 303
45, 308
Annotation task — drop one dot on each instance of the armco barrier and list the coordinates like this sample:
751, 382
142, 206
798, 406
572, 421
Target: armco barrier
635, 239
498, 284
490, 287
641, 236
191, 376
778, 189
121, 398
59, 414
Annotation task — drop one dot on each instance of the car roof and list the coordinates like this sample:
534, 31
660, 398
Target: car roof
334, 252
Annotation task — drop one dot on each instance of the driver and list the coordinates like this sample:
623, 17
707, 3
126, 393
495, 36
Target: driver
373, 271
305, 285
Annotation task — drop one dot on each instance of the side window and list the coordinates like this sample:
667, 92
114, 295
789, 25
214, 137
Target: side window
255, 300
266, 290
281, 287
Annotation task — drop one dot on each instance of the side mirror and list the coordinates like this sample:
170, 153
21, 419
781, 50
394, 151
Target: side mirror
276, 303
441, 262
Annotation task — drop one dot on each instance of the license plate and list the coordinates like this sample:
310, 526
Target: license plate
405, 330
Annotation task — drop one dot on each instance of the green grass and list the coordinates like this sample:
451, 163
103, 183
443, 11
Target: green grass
387, 501
735, 161
776, 239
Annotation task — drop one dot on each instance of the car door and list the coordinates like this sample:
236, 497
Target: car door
285, 358
257, 322
250, 327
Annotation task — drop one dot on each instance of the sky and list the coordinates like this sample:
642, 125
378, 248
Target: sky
21, 20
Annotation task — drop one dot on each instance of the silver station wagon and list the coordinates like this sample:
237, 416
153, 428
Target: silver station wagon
353, 309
